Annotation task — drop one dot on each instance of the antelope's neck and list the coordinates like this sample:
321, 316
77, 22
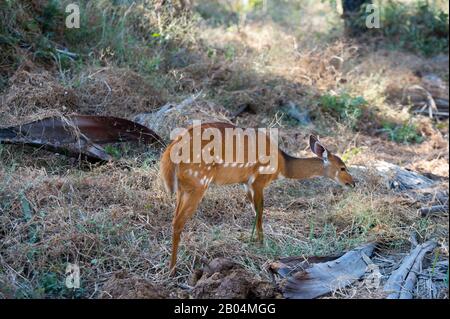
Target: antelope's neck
301, 168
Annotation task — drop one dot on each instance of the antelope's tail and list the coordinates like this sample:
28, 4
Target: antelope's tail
168, 172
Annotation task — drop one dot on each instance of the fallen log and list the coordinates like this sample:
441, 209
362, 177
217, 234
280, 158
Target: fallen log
171, 117
442, 104
156, 119
78, 136
402, 281
415, 187
425, 211
307, 280
400, 178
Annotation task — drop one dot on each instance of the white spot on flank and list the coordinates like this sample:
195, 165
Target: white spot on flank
251, 179
266, 169
195, 173
209, 168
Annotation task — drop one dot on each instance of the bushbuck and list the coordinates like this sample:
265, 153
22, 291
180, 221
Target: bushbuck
190, 178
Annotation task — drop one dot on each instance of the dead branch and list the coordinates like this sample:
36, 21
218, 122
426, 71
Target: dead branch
425, 211
402, 281
436, 113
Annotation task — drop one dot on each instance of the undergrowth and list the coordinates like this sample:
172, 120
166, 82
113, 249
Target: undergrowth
418, 26
110, 219
403, 133
344, 107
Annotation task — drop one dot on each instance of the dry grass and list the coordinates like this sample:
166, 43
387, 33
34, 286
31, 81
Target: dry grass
103, 91
112, 221
115, 223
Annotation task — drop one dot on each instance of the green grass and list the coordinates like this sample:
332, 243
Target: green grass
324, 242
113, 151
345, 108
350, 153
421, 27
406, 133
111, 32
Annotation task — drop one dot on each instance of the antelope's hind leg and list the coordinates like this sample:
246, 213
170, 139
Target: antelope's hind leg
187, 203
255, 196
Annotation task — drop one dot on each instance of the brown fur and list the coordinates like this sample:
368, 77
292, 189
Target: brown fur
190, 180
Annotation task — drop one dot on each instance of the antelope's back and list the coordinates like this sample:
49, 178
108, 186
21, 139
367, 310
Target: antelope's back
240, 142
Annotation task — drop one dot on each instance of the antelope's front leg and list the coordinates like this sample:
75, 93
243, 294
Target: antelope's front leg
258, 203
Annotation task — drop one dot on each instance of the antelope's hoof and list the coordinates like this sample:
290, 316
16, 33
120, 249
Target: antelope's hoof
173, 271
258, 240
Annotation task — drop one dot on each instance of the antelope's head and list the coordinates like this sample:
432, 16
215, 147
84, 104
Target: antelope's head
334, 167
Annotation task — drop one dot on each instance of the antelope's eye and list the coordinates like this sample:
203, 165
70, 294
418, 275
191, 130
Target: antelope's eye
343, 169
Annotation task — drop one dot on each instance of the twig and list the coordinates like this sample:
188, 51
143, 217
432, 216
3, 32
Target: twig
184, 286
432, 108
437, 113
69, 54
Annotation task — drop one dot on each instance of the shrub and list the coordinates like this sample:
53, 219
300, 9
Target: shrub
405, 133
421, 28
344, 107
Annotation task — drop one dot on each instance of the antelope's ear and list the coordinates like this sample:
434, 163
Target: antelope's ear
318, 148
